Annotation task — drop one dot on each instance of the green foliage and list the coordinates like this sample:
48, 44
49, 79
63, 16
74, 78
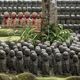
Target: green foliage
28, 34
4, 77
18, 31
49, 33
11, 32
52, 33
6, 32
73, 78
24, 76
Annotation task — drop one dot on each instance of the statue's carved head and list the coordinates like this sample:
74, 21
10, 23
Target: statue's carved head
13, 15
20, 15
27, 14
34, 14
6, 15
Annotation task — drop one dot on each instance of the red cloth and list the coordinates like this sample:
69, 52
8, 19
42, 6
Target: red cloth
13, 17
33, 19
20, 17
27, 17
5, 19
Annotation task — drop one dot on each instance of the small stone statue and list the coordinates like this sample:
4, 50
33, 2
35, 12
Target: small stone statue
11, 61
2, 61
75, 66
34, 63
23, 49
65, 63
27, 18
27, 59
19, 62
6, 20
51, 58
45, 64
58, 64
71, 54
38, 51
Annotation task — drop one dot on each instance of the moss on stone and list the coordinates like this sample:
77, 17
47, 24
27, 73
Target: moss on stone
73, 78
4, 77
24, 76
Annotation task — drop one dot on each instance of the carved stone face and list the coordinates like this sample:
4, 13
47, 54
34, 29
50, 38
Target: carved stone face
13, 15
12, 53
19, 55
49, 50
75, 58
34, 15
27, 14
72, 53
58, 57
38, 50
11, 44
27, 52
45, 56
65, 56
2, 54
20, 15
6, 15
33, 56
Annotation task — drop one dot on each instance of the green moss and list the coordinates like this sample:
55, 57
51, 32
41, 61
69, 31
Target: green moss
73, 78
14, 78
4, 77
10, 32
24, 76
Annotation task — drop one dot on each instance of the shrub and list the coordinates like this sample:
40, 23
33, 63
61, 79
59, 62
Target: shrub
4, 77
52, 33
73, 78
24, 76
28, 34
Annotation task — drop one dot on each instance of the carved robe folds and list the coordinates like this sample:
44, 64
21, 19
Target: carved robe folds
14, 20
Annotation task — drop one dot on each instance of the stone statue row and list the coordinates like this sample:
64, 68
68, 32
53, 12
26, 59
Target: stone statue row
12, 20
39, 60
